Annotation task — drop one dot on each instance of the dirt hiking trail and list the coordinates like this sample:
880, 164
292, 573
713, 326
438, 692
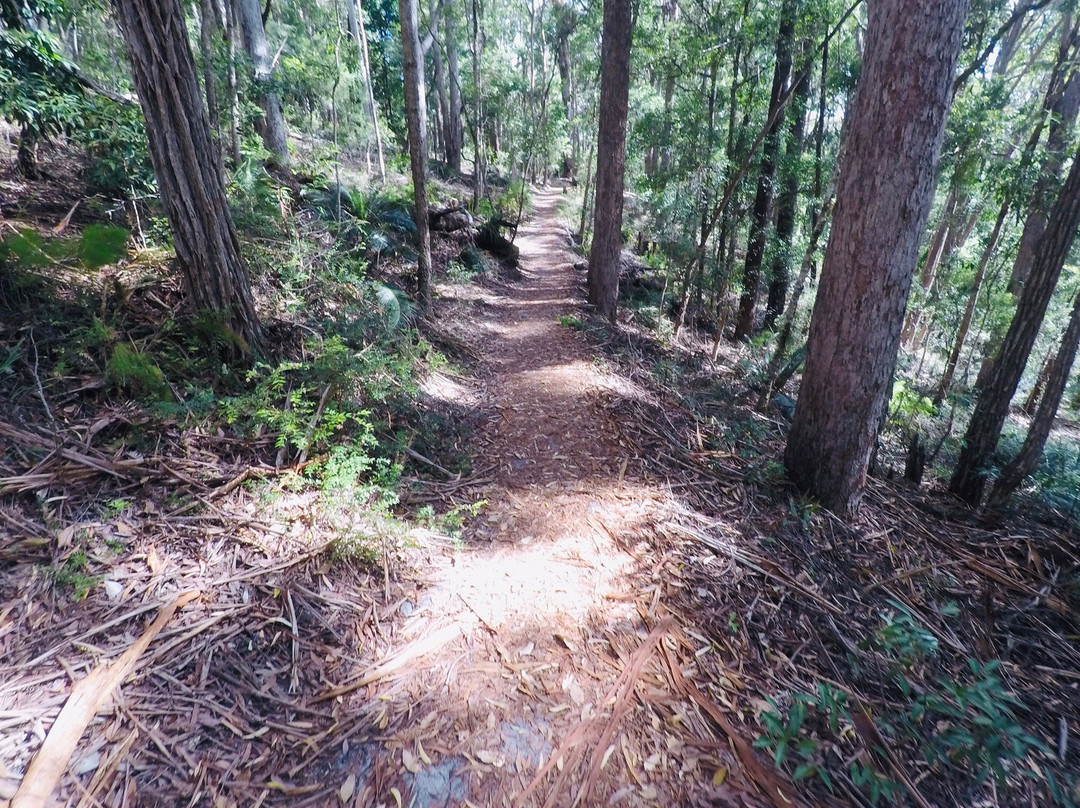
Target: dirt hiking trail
561, 678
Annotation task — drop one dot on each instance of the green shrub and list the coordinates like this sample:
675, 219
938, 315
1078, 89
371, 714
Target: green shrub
137, 373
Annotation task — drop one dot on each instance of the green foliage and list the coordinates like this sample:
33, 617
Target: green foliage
909, 403
38, 89
137, 373
357, 492
902, 638
102, 244
113, 136
73, 576
97, 246
453, 521
572, 321
970, 722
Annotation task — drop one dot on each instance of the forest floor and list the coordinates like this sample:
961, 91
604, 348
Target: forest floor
607, 629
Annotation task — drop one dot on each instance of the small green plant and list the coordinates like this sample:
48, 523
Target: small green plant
357, 492
901, 638
976, 724
115, 507
72, 576
572, 321
137, 373
908, 403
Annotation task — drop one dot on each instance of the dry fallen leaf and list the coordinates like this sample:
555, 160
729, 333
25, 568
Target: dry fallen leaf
719, 776
491, 758
423, 754
347, 788
397, 796
410, 761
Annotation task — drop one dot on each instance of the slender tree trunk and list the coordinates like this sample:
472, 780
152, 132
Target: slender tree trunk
585, 193
479, 163
189, 176
883, 198
787, 206
1031, 452
611, 158
692, 280
442, 105
969, 307
416, 120
359, 34
26, 154
1057, 119
791, 311
986, 422
567, 21
273, 130
207, 24
454, 131
232, 83
1058, 136
1036, 391
759, 220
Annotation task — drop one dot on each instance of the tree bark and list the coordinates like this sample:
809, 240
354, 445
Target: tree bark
611, 158
207, 24
986, 422
273, 130
759, 221
186, 163
359, 34
232, 83
969, 307
479, 163
1032, 451
566, 22
416, 120
883, 199
442, 104
786, 207
1058, 136
455, 135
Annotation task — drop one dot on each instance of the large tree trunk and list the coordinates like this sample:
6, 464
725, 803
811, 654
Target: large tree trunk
883, 199
359, 34
759, 219
416, 120
1031, 452
986, 422
186, 163
258, 50
611, 158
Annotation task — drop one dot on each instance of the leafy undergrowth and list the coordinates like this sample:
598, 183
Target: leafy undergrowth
156, 406
915, 657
